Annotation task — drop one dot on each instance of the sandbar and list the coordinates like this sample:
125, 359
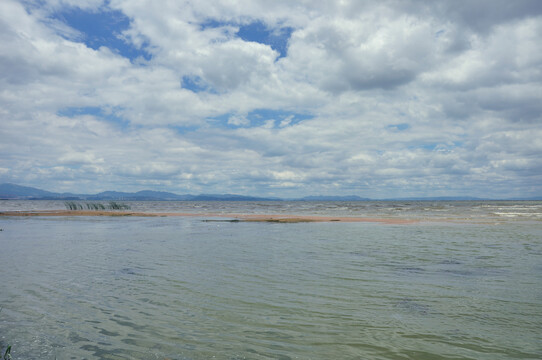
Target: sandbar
274, 218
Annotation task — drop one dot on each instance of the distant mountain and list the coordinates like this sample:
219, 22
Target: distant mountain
13, 191
140, 195
535, 198
439, 198
334, 198
162, 195
230, 197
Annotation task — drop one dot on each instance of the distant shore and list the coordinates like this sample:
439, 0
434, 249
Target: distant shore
275, 218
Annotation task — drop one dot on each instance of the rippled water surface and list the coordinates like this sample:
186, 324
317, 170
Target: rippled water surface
479, 211
182, 288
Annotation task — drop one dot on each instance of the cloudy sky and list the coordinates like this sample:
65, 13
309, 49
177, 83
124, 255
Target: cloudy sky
282, 98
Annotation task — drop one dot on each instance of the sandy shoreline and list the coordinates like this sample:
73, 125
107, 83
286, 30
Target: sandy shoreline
282, 218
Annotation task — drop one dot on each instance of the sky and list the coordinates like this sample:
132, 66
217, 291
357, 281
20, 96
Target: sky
285, 98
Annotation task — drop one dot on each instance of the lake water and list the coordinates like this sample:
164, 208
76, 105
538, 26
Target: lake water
467, 284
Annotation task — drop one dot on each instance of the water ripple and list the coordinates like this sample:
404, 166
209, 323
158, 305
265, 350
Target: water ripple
179, 288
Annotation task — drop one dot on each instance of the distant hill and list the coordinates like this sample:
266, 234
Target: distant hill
140, 195
440, 198
231, 197
536, 198
334, 198
13, 191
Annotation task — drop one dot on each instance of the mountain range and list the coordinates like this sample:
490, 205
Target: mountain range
12, 191
18, 192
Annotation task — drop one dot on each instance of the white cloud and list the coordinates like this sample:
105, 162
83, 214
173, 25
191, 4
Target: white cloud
238, 120
74, 157
362, 53
406, 98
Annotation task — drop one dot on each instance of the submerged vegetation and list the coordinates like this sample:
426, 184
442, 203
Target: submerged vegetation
7, 354
72, 205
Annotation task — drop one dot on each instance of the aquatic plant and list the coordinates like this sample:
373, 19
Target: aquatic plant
72, 205
116, 206
7, 354
95, 206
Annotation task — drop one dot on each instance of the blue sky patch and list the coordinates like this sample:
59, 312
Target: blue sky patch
260, 33
102, 28
427, 146
182, 130
109, 115
276, 38
223, 121
438, 146
260, 117
399, 127
195, 84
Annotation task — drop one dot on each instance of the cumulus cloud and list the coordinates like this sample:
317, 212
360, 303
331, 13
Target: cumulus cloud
378, 99
362, 53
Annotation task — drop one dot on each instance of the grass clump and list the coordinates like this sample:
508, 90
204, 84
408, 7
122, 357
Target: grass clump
112, 205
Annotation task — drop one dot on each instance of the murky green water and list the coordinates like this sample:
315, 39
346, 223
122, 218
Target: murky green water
181, 288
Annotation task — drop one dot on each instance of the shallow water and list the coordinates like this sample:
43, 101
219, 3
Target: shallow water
182, 288
469, 211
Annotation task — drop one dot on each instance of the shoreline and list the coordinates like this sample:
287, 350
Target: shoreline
273, 218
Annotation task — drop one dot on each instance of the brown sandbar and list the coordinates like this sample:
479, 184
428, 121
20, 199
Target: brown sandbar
240, 217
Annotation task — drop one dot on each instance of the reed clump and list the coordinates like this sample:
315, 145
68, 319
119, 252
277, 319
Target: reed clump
95, 206
112, 205
71, 205
116, 206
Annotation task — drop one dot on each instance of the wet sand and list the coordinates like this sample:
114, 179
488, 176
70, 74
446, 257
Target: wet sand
232, 217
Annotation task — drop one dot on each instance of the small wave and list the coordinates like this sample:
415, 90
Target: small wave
516, 214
